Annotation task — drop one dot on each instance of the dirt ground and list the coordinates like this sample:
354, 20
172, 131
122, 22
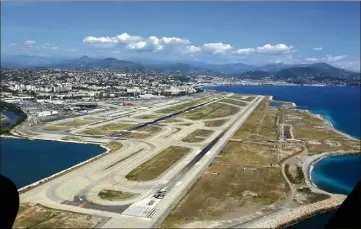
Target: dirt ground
38, 216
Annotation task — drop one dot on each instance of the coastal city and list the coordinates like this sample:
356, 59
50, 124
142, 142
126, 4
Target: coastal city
179, 115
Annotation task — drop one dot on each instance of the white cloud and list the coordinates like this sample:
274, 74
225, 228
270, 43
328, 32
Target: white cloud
217, 48
327, 58
126, 38
274, 49
317, 48
341, 61
192, 49
29, 42
245, 51
138, 43
266, 49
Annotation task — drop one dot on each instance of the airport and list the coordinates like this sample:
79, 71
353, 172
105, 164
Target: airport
141, 137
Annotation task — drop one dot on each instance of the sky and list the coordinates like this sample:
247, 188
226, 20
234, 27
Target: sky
254, 33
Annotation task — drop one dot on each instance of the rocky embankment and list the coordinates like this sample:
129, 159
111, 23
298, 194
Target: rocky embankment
294, 215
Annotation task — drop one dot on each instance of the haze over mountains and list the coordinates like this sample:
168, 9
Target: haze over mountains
278, 71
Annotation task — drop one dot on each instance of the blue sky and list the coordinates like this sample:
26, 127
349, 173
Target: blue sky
216, 32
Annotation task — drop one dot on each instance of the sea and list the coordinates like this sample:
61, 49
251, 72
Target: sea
340, 106
27, 161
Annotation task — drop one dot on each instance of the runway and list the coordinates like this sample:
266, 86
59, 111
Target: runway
78, 190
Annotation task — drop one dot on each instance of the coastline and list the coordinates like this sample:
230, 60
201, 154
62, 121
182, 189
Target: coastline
76, 166
63, 172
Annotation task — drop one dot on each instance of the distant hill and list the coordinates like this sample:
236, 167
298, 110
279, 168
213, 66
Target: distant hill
25, 61
254, 75
301, 73
315, 72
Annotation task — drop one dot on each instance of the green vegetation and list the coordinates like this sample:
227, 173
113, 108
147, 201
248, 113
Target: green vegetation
250, 126
213, 110
114, 195
108, 128
182, 106
171, 120
147, 116
198, 136
215, 123
233, 101
294, 174
224, 189
144, 132
154, 167
71, 138
66, 125
5, 129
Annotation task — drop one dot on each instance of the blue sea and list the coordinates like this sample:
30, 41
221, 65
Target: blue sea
27, 161
340, 106
12, 117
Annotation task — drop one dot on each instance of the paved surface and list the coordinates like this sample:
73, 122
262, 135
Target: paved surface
78, 190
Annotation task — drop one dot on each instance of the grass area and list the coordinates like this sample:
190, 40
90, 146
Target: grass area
249, 98
71, 138
38, 216
171, 120
114, 195
182, 106
253, 121
213, 110
147, 116
215, 196
113, 145
66, 125
198, 136
108, 128
154, 167
294, 174
310, 127
233, 101
268, 128
74, 123
324, 147
215, 123
144, 132
55, 128
247, 153
185, 124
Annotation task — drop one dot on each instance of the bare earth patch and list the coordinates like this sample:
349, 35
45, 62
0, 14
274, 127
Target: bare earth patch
38, 216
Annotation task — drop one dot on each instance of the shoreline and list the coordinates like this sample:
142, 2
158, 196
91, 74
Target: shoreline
62, 172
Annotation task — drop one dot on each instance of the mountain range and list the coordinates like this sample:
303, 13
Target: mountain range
300, 73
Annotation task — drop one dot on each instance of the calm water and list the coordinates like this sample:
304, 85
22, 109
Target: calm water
12, 117
327, 176
27, 161
340, 105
